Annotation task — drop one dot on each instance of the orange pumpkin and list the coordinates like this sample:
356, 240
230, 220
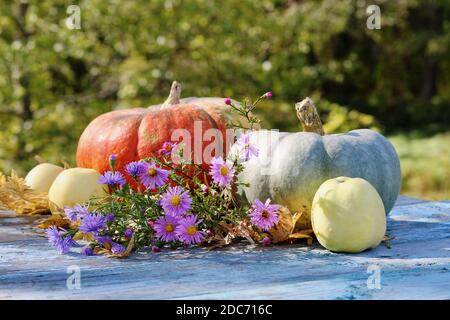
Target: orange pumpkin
134, 134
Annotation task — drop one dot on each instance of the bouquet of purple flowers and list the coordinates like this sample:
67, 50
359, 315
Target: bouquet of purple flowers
169, 204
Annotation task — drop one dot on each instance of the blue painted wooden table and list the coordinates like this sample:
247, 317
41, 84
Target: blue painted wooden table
416, 267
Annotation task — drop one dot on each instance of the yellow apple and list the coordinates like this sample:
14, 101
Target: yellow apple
41, 177
348, 215
74, 186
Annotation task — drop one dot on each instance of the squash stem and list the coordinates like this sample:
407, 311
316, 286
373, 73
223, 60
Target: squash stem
174, 95
309, 117
39, 159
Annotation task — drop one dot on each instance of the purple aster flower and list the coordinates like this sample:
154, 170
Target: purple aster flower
187, 230
71, 214
75, 212
167, 148
246, 149
109, 217
165, 228
152, 176
135, 168
102, 240
92, 223
176, 201
128, 233
66, 244
156, 249
227, 101
87, 251
264, 215
53, 235
112, 179
112, 160
266, 241
57, 239
117, 248
222, 172
268, 95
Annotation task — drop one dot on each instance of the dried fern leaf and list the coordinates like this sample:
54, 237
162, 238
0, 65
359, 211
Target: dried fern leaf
17, 196
304, 234
285, 225
56, 220
244, 229
127, 251
299, 235
3, 206
221, 240
2, 179
107, 251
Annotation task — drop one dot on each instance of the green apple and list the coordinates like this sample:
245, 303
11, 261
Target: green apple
348, 215
41, 177
74, 186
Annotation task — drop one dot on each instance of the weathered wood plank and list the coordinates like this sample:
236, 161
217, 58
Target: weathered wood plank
403, 201
415, 268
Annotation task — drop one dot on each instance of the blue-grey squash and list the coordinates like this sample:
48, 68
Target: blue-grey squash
291, 166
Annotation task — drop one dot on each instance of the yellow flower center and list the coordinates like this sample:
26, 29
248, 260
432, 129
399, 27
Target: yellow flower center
265, 214
175, 200
151, 172
246, 146
168, 147
192, 230
223, 170
169, 227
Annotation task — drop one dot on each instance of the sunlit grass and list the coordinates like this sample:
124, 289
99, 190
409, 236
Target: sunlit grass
425, 164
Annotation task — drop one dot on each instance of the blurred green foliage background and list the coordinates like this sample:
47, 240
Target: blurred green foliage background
54, 80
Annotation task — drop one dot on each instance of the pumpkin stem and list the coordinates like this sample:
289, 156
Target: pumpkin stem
309, 117
174, 95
